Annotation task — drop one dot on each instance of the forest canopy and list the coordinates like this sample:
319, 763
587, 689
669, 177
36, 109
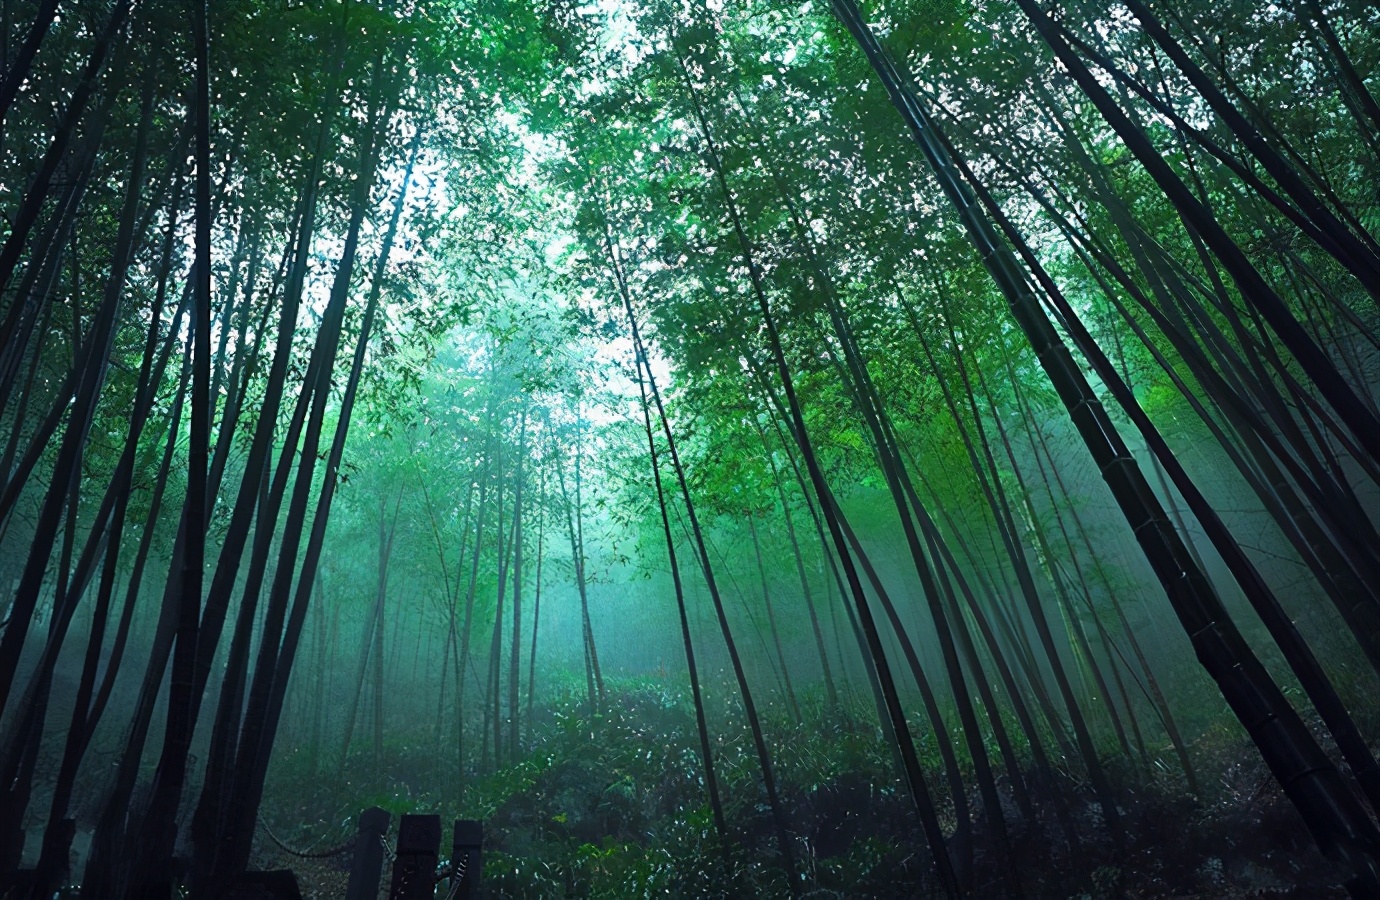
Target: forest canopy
894, 449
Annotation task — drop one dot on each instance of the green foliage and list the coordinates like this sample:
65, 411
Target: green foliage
572, 163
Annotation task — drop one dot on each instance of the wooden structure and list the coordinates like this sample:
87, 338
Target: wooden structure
277, 885
416, 873
367, 866
465, 861
414, 867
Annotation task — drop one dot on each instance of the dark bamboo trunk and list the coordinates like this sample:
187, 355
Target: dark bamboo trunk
1337, 821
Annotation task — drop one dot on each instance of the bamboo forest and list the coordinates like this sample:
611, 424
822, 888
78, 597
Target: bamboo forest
690, 448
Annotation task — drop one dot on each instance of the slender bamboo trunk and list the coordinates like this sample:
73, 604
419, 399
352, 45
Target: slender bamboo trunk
830, 689
492, 728
19, 67
536, 601
735, 659
1337, 821
90, 372
711, 781
914, 777
33, 201
771, 622
575, 530
515, 650
253, 767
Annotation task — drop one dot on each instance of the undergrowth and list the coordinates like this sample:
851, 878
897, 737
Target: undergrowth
611, 803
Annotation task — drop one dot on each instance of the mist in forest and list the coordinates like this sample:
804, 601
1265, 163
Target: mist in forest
889, 450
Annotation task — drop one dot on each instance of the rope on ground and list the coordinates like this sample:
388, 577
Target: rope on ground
306, 854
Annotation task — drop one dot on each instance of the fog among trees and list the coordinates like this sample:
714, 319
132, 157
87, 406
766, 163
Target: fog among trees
924, 448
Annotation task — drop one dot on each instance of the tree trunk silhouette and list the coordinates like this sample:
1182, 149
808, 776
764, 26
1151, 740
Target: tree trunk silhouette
1337, 822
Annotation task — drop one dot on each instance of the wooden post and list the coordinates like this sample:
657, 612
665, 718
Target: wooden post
414, 869
367, 868
276, 885
465, 861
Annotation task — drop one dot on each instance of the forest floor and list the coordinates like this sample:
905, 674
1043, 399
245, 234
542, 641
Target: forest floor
612, 808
